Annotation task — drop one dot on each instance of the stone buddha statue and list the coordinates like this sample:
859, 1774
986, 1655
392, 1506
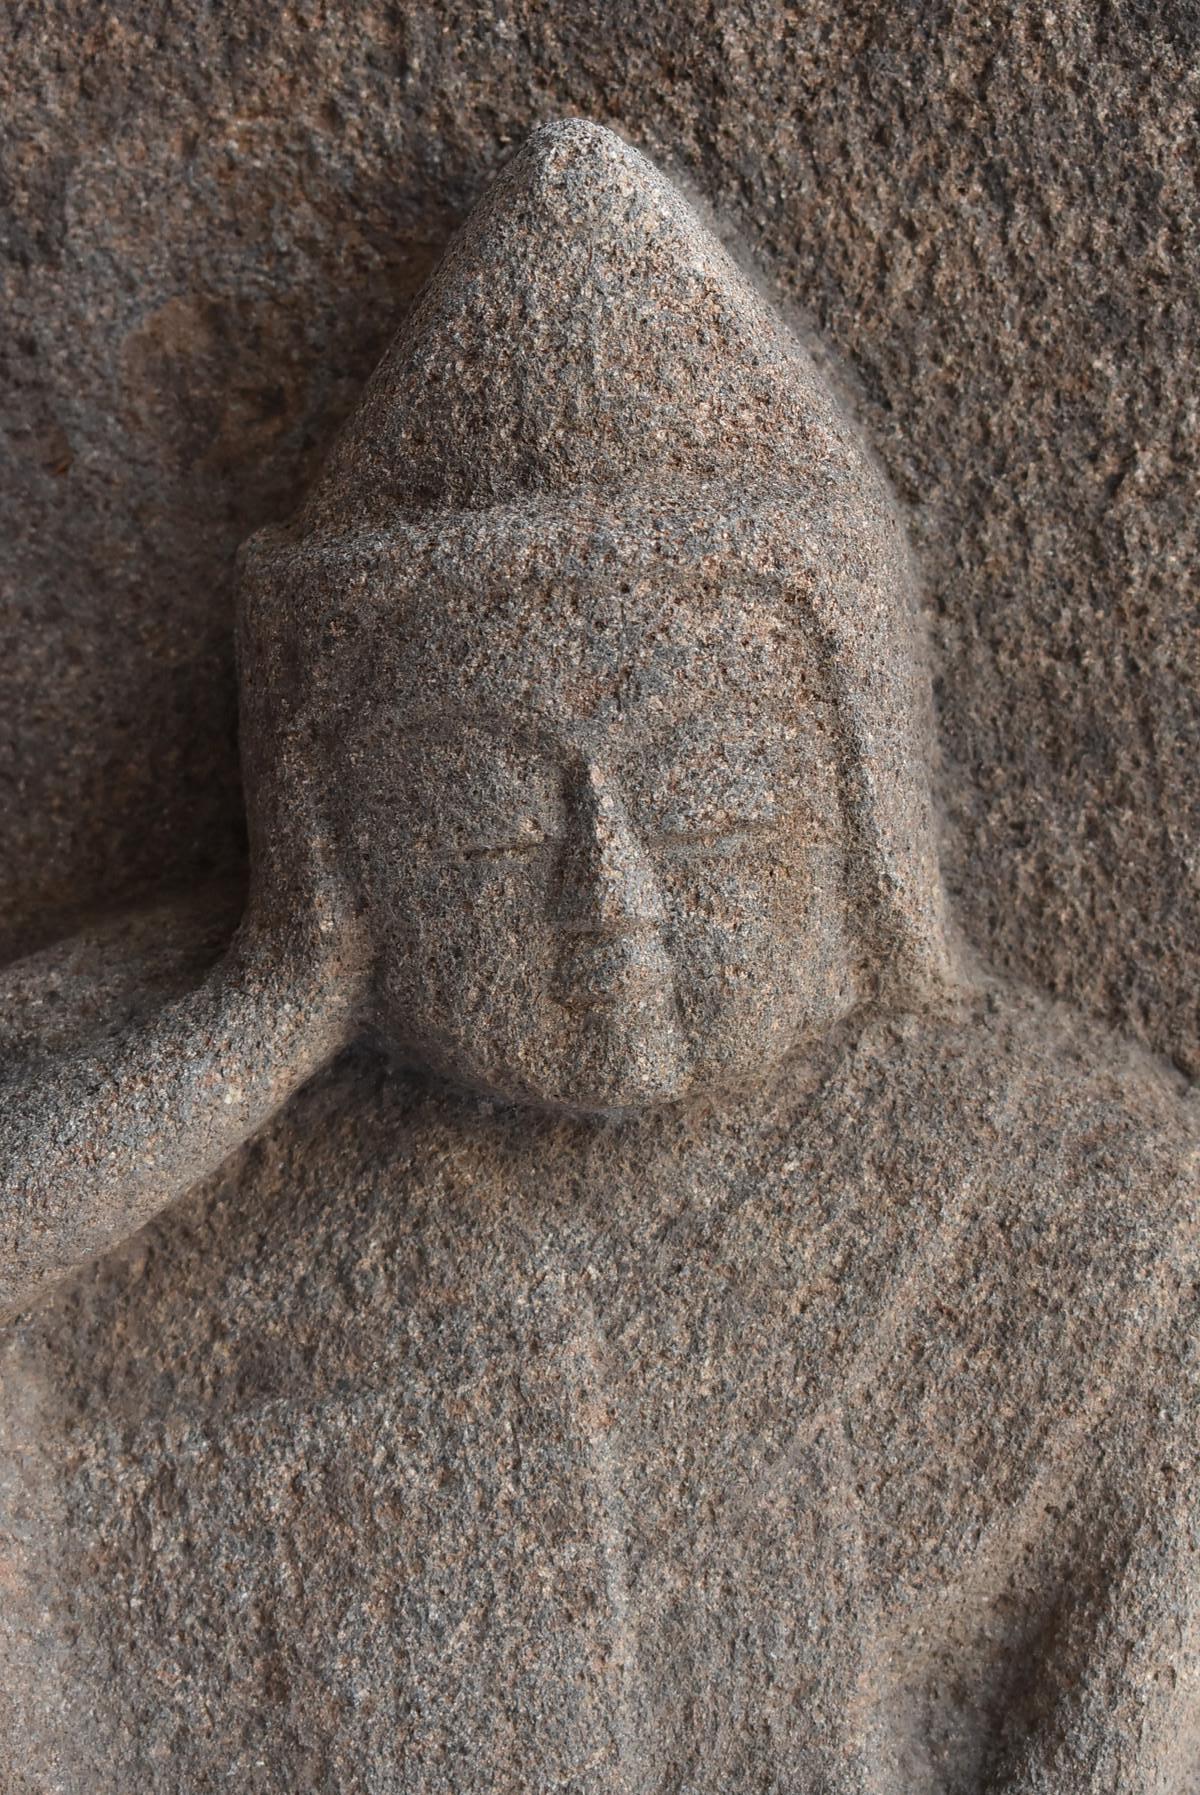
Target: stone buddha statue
644, 1311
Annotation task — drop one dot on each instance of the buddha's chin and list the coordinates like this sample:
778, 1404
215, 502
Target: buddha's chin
645, 1074
617, 1092
613, 1061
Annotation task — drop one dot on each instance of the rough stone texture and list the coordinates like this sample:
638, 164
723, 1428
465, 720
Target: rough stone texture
778, 1447
838, 1434
585, 723
213, 217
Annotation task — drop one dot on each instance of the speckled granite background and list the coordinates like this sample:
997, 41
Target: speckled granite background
213, 218
418, 1449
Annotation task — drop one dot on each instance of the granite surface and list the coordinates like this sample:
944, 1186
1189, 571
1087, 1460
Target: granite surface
435, 1446
585, 725
213, 218
834, 1431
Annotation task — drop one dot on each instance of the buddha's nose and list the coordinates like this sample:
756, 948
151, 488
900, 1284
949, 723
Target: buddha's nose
609, 905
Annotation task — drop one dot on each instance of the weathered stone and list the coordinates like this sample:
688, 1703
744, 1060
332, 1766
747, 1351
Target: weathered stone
214, 217
776, 1369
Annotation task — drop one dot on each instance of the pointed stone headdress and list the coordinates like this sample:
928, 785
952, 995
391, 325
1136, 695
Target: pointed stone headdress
583, 330
587, 345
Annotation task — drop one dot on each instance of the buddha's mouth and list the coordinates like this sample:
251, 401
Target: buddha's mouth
626, 1052
632, 1000
609, 972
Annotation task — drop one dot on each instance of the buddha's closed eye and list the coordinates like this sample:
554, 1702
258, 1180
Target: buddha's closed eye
474, 797
726, 833
521, 844
700, 839
684, 837
530, 839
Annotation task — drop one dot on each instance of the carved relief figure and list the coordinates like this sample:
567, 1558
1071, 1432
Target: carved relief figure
698, 1332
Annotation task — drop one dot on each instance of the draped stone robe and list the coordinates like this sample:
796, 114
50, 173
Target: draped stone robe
835, 1439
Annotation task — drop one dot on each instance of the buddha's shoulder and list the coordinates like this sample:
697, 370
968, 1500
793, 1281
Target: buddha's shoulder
1022, 1101
1056, 1153
1041, 1333
1039, 1131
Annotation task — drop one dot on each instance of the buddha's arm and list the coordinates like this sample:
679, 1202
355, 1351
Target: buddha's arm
106, 1136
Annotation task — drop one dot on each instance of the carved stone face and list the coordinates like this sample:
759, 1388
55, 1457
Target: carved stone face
531, 711
596, 827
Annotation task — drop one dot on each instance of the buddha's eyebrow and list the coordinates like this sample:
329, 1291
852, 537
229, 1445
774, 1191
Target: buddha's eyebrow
444, 722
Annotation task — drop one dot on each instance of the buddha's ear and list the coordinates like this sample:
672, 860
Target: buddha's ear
862, 608
300, 901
